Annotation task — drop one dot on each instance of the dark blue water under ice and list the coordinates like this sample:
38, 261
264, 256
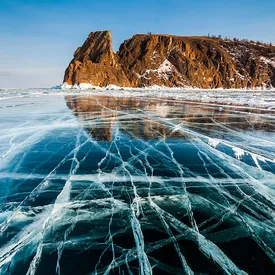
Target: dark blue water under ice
105, 185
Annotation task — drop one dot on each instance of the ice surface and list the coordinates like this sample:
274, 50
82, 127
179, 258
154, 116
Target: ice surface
148, 182
258, 97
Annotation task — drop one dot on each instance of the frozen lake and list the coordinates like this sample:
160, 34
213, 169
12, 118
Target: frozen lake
96, 184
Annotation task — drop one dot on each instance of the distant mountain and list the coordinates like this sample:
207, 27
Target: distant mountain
171, 61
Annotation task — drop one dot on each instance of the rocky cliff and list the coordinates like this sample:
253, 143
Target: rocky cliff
95, 63
172, 61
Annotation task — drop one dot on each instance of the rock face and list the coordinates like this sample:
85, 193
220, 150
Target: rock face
95, 63
172, 61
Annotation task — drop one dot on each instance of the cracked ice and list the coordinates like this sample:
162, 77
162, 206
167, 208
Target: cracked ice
105, 185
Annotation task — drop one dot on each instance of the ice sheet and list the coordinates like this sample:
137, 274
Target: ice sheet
97, 184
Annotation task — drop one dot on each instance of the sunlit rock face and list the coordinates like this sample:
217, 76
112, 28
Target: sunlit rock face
171, 61
95, 63
99, 185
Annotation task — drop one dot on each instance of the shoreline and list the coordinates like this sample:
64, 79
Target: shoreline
87, 86
259, 99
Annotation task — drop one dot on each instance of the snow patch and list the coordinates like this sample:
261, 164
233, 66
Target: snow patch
238, 152
257, 158
65, 86
240, 75
144, 75
153, 87
165, 70
213, 142
81, 86
85, 86
112, 87
268, 61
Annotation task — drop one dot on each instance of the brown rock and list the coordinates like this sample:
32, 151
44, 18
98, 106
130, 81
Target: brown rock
95, 63
172, 61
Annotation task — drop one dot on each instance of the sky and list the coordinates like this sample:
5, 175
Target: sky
38, 37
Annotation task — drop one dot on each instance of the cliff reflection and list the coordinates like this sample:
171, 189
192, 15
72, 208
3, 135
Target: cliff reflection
144, 117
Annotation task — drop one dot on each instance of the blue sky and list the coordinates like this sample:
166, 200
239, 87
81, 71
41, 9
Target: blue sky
38, 37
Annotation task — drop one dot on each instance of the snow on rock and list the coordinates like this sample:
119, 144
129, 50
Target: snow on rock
237, 51
65, 85
268, 61
144, 75
112, 87
81, 86
85, 86
240, 75
165, 70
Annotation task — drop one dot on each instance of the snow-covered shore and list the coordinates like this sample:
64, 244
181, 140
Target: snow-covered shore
259, 98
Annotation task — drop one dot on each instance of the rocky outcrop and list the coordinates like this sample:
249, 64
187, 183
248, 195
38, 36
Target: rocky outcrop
172, 61
95, 63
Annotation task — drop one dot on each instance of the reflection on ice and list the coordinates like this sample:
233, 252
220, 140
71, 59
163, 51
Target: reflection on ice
104, 185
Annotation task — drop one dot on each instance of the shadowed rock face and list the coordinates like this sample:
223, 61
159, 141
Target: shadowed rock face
172, 61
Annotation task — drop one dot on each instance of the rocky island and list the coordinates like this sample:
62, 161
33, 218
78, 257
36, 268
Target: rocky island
171, 61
